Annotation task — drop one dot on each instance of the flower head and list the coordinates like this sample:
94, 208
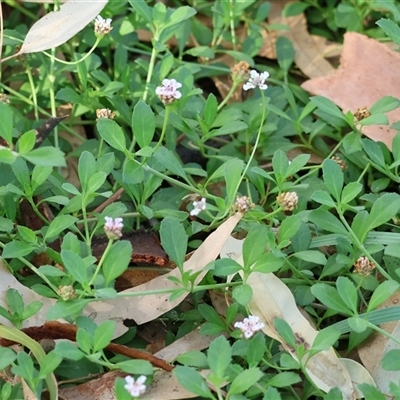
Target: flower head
66, 292
362, 113
169, 92
104, 113
256, 79
243, 204
4, 98
339, 162
240, 71
102, 26
198, 207
363, 266
113, 228
288, 200
249, 326
137, 388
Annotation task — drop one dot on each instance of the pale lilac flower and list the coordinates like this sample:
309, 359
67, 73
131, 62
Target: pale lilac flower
102, 26
137, 388
198, 207
249, 326
113, 227
256, 79
169, 92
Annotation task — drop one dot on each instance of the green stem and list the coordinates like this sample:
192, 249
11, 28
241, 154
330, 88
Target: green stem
153, 58
228, 96
232, 24
54, 58
100, 263
164, 128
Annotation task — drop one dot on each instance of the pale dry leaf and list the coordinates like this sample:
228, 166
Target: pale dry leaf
361, 80
28, 393
358, 374
273, 299
146, 308
57, 27
309, 51
372, 351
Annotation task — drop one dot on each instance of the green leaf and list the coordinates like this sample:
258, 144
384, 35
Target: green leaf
46, 156
6, 126
167, 159
384, 208
210, 315
242, 294
289, 228
39, 175
95, 182
390, 28
31, 309
376, 119
137, 367
285, 53
280, 165
116, 260
143, 123
350, 192
174, 240
272, 394
233, 170
347, 292
58, 225
322, 197
297, 163
16, 249
50, 363
329, 296
27, 142
142, 9
359, 225
325, 339
210, 109
284, 379
7, 156
75, 266
133, 173
390, 361
103, 335
254, 245
326, 221
333, 178
357, 324
193, 358
192, 381
7, 356
219, 356
382, 293
21, 172
180, 15
86, 168
295, 8
374, 152
112, 133
15, 301
312, 256
328, 106
285, 331
245, 380
370, 392
69, 351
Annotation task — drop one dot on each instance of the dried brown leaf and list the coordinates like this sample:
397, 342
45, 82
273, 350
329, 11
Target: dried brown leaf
360, 81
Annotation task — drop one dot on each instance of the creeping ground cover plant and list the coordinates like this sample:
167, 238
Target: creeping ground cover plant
192, 205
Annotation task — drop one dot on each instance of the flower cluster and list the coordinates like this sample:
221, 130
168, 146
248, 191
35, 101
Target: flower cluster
339, 162
243, 204
135, 388
104, 113
169, 92
66, 292
363, 266
198, 207
256, 79
288, 201
240, 72
4, 98
102, 26
249, 326
362, 113
113, 228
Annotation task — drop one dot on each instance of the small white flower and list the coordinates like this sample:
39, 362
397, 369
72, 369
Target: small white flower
255, 80
198, 207
249, 326
137, 388
113, 227
169, 92
102, 26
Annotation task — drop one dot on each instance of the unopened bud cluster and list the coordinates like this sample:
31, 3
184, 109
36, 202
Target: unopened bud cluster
104, 113
66, 292
363, 266
361, 113
4, 98
243, 204
339, 162
240, 72
288, 201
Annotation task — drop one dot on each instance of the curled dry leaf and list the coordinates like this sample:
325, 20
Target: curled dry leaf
145, 308
57, 27
273, 299
360, 81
